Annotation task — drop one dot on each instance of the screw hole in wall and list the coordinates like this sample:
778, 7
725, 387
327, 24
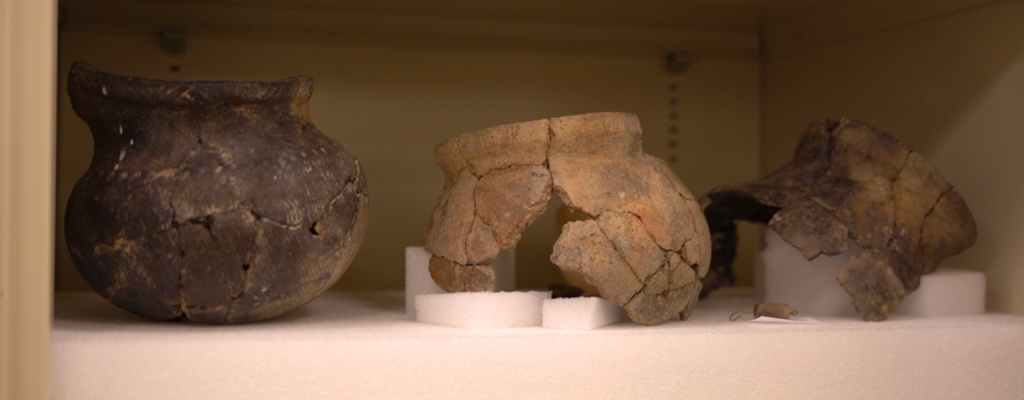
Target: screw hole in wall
675, 64
673, 121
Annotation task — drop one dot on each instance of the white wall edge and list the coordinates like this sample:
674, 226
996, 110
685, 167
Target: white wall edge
28, 43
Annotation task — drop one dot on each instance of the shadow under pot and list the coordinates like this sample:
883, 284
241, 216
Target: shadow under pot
216, 202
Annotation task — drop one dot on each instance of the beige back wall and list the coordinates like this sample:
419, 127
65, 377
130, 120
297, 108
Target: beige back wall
390, 106
953, 89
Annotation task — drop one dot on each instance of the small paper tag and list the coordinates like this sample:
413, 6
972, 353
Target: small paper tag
807, 320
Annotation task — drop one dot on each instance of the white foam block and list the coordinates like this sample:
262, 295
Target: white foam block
481, 310
809, 287
417, 277
579, 313
947, 292
418, 280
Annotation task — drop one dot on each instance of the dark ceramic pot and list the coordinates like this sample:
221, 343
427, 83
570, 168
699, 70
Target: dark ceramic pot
216, 202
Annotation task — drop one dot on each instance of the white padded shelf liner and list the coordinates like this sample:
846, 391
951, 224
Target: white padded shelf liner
363, 345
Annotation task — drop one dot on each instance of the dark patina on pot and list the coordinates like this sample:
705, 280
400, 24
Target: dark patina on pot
216, 202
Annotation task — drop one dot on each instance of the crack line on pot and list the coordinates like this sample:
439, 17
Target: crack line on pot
182, 306
248, 268
892, 199
465, 241
618, 252
920, 234
505, 168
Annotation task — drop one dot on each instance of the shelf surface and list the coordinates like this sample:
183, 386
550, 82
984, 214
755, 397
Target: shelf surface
363, 344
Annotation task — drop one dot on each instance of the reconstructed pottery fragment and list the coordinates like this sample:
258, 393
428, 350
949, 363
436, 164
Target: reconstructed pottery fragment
645, 248
850, 181
217, 202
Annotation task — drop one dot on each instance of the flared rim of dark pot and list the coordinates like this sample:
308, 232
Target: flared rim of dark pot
87, 84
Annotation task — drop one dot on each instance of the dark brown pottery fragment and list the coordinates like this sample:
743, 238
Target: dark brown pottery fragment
216, 202
849, 180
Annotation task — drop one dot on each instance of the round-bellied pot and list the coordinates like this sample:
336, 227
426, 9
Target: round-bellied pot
216, 202
639, 237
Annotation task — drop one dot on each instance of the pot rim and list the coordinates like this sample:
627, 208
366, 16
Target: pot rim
610, 133
86, 83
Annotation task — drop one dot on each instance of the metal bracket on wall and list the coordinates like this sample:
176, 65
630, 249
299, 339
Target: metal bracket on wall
678, 62
675, 64
173, 41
